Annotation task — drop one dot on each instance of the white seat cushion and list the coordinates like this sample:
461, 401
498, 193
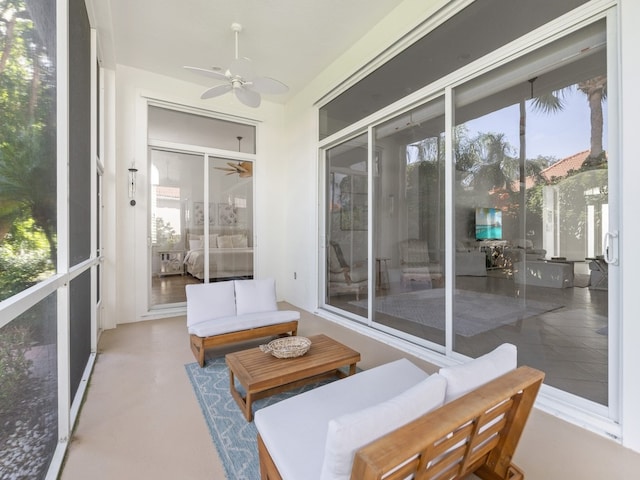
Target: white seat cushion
295, 430
206, 301
236, 323
255, 296
348, 433
461, 379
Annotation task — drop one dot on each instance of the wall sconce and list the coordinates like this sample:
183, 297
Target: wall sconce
132, 184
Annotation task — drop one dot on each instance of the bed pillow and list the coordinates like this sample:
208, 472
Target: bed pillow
239, 241
256, 296
461, 379
213, 241
195, 244
348, 433
225, 241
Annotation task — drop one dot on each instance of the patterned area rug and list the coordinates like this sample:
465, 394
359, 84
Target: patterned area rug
233, 436
473, 313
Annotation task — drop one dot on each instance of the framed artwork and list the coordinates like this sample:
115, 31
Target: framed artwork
198, 213
227, 214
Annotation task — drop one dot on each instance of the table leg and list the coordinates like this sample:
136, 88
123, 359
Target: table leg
243, 403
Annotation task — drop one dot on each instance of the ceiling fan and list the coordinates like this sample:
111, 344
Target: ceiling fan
243, 169
241, 79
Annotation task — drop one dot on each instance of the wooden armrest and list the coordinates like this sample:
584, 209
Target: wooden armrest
476, 433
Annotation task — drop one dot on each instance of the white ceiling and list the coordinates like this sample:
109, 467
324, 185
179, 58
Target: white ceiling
290, 40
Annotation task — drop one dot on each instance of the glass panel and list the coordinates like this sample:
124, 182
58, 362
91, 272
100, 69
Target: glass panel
80, 157
80, 328
176, 180
531, 209
29, 392
409, 222
27, 146
435, 55
230, 222
191, 129
347, 207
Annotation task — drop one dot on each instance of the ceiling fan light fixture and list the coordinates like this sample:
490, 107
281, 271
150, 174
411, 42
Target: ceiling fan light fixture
240, 77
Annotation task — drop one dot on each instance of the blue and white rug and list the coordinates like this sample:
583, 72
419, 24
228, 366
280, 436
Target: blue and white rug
234, 437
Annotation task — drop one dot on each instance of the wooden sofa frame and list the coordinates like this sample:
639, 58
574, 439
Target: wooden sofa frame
477, 433
200, 344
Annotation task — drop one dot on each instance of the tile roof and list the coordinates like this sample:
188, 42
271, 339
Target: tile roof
562, 167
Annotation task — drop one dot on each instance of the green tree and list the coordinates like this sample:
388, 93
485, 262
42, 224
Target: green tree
27, 138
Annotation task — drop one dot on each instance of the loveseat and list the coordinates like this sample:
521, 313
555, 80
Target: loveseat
232, 311
452, 421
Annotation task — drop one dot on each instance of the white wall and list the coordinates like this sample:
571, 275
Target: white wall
301, 136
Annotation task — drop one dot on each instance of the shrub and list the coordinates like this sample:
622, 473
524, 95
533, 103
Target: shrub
14, 366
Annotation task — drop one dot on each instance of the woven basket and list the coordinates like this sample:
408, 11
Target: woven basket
287, 347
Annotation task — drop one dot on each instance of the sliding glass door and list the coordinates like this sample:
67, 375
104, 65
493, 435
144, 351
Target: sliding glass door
201, 201
201, 222
409, 213
176, 180
531, 204
483, 215
347, 265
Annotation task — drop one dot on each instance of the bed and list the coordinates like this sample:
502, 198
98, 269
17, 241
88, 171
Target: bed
230, 256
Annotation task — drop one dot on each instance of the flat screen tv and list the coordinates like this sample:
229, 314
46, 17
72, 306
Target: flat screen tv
488, 223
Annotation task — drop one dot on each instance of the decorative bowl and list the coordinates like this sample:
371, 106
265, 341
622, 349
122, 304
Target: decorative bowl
287, 347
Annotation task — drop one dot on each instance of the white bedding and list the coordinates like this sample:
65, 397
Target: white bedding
223, 262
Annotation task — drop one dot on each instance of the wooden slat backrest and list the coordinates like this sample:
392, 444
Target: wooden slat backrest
478, 432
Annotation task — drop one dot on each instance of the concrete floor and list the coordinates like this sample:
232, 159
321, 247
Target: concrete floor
141, 419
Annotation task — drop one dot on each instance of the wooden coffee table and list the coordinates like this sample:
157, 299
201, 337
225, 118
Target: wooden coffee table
261, 374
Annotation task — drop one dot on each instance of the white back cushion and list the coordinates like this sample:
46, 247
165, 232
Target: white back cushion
461, 379
348, 433
206, 301
255, 296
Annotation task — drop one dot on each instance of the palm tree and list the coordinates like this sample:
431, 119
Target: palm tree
596, 91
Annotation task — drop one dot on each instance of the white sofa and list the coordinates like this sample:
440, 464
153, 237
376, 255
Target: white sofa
315, 435
540, 273
235, 310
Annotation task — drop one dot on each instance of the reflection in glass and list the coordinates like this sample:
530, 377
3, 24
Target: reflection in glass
176, 179
409, 241
531, 156
347, 226
230, 222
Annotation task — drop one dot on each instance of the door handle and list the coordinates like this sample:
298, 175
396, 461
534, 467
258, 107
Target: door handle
611, 248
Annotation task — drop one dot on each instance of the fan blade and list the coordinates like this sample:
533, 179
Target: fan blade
243, 68
248, 97
268, 85
216, 91
208, 73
